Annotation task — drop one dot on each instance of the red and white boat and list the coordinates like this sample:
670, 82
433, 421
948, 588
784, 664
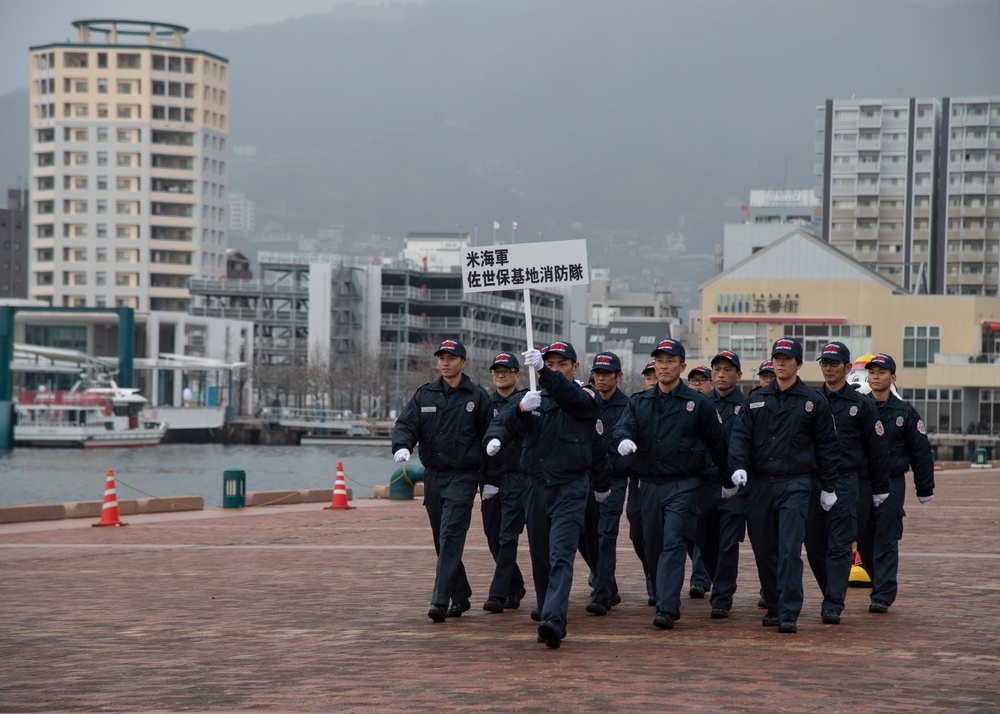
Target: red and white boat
100, 416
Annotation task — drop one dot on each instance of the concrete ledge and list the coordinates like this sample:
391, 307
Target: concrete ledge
320, 495
83, 509
277, 498
176, 503
383, 491
34, 512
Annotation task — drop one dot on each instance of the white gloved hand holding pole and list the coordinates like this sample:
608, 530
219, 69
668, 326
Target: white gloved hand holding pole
626, 447
533, 358
531, 400
401, 456
493, 448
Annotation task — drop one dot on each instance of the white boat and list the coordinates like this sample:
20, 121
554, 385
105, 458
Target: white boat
105, 415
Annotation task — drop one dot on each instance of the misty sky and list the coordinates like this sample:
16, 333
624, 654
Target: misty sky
24, 23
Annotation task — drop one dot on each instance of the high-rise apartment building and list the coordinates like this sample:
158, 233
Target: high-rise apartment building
128, 167
911, 188
878, 184
14, 245
968, 200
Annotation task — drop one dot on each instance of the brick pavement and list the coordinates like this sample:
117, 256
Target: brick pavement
296, 608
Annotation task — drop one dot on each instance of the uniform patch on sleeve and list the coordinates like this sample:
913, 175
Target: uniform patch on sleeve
809, 406
600, 427
920, 426
879, 429
690, 406
470, 406
899, 421
853, 411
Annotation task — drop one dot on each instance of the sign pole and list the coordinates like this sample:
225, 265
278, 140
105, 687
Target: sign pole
529, 328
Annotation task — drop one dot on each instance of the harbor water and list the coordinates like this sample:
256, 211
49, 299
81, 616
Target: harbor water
56, 475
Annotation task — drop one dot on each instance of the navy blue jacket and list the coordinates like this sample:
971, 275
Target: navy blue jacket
862, 452
786, 434
729, 407
672, 432
611, 413
907, 443
508, 460
557, 438
448, 423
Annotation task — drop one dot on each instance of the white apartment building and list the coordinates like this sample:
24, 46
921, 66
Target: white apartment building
878, 175
968, 205
128, 167
242, 213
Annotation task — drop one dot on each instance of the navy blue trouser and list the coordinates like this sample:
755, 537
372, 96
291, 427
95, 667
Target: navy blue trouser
668, 520
448, 499
589, 545
699, 573
503, 521
605, 585
776, 520
633, 511
879, 532
554, 517
721, 527
829, 535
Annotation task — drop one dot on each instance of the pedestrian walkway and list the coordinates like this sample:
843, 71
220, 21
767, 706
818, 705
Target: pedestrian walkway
297, 608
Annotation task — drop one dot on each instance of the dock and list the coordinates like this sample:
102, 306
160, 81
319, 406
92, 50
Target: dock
298, 608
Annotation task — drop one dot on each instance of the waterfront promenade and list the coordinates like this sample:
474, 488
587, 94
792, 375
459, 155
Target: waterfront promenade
297, 608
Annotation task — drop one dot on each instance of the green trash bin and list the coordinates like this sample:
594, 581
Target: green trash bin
234, 488
403, 478
981, 460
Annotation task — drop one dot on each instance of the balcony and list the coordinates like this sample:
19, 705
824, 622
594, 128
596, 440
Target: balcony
972, 256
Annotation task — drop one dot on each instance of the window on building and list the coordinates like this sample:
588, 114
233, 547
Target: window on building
941, 409
858, 338
920, 344
747, 339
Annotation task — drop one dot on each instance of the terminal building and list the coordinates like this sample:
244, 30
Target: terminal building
947, 347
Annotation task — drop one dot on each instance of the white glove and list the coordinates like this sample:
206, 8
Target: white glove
401, 456
879, 498
493, 448
729, 492
599, 496
489, 492
533, 358
531, 400
739, 477
925, 499
626, 447
827, 499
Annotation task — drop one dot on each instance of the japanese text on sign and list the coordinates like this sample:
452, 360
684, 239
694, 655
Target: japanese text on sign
525, 265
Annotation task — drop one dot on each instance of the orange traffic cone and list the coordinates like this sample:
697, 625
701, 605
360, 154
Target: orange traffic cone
109, 511
339, 491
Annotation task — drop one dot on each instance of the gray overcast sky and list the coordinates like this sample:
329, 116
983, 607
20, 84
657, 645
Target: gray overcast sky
24, 23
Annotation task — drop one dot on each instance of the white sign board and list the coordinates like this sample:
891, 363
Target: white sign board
525, 265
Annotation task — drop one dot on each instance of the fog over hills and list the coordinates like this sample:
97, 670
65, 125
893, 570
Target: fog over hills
621, 117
